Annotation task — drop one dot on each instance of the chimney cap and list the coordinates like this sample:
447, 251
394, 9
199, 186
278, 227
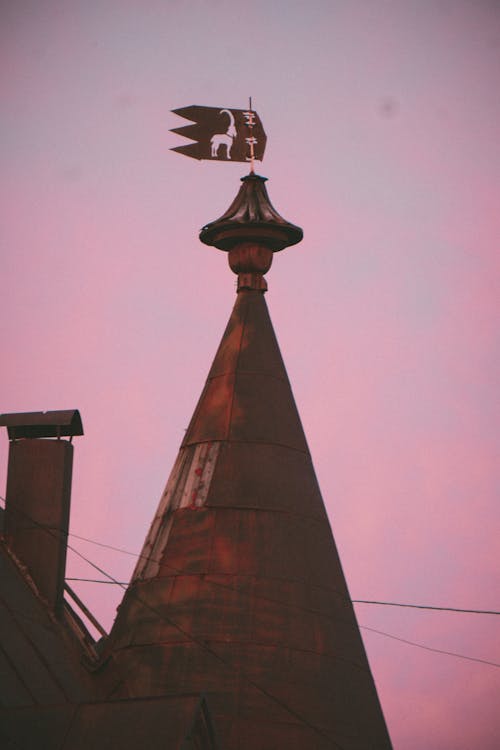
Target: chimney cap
42, 424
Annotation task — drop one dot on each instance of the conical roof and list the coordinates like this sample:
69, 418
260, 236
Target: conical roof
239, 593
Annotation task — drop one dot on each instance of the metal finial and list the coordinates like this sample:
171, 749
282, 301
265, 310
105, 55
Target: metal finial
250, 231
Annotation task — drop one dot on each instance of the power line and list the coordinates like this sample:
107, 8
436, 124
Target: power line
354, 601
226, 662
428, 606
115, 549
97, 580
295, 606
190, 637
430, 648
204, 647
364, 627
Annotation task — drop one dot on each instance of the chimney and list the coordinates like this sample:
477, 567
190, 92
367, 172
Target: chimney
39, 494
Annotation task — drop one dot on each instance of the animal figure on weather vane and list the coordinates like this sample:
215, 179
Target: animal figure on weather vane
224, 139
222, 134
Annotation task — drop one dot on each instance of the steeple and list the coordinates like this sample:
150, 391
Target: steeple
239, 593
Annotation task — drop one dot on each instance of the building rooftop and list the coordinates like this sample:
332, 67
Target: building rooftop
237, 629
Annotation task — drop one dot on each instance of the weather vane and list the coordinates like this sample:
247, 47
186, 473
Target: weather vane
222, 134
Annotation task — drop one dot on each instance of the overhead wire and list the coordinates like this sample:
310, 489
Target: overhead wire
203, 645
123, 585
312, 611
362, 627
96, 580
430, 648
190, 637
140, 556
354, 601
428, 606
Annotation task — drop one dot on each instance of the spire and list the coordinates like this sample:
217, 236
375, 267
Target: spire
247, 397
239, 592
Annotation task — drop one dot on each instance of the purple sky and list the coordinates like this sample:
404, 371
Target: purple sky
383, 124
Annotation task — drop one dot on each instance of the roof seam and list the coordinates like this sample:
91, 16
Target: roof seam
260, 577
244, 321
247, 372
263, 644
248, 442
260, 509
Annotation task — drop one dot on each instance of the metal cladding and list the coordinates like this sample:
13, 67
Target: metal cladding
239, 592
170, 722
40, 661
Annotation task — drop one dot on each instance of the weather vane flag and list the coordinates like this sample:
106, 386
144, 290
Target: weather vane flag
222, 134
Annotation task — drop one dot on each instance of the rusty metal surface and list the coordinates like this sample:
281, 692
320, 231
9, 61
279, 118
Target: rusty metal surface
36, 728
247, 601
41, 661
175, 722
247, 396
251, 217
239, 594
42, 424
284, 481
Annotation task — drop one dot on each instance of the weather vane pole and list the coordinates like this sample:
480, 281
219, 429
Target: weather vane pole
251, 140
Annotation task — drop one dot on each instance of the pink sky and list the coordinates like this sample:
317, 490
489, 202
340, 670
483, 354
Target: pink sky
382, 121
